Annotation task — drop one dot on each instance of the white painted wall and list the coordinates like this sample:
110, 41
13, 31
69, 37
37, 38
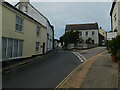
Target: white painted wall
94, 37
111, 35
0, 32
119, 17
41, 19
116, 24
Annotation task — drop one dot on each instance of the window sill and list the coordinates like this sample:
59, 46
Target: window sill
20, 32
37, 36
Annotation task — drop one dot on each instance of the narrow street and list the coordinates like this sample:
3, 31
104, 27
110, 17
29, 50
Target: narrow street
47, 73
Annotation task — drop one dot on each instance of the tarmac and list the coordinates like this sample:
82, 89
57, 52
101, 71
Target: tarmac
98, 72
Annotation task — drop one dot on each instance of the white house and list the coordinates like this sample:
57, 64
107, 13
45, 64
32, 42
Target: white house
0, 33
86, 31
115, 17
26, 7
111, 35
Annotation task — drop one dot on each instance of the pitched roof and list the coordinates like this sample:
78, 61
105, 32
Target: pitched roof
19, 11
89, 26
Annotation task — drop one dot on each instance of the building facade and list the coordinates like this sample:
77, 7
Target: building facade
22, 36
85, 31
111, 35
0, 31
115, 17
102, 36
89, 30
26, 7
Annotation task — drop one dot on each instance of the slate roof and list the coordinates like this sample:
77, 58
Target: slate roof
89, 26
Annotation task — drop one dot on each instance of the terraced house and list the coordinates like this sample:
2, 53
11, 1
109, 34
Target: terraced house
22, 36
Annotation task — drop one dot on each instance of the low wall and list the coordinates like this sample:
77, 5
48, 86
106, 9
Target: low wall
81, 46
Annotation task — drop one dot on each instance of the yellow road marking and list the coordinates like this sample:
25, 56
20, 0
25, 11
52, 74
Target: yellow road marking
65, 80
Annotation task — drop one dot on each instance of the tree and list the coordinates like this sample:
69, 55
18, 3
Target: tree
70, 37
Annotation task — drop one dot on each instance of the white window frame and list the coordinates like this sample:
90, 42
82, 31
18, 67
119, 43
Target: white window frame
37, 31
37, 47
13, 57
21, 25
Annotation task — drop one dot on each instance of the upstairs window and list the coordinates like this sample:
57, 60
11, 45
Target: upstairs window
38, 31
93, 33
86, 33
19, 24
115, 17
80, 33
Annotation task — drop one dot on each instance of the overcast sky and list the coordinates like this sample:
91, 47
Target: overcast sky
62, 13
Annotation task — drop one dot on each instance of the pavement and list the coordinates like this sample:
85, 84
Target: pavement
102, 74
96, 72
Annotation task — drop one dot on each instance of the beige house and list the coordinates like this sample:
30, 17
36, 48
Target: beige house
26, 7
22, 36
115, 17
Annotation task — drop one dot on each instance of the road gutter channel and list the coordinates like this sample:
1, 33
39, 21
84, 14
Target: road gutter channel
79, 66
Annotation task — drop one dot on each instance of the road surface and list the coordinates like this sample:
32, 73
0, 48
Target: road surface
46, 73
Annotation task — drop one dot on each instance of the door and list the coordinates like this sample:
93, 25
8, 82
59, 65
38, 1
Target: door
43, 48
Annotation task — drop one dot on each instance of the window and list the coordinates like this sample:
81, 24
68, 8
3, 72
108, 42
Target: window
4, 47
115, 17
86, 33
37, 46
11, 48
20, 48
19, 24
38, 31
93, 33
15, 48
80, 33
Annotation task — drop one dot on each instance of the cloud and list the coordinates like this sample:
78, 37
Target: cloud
62, 13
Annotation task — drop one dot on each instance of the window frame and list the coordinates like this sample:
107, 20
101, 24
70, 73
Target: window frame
86, 33
19, 24
37, 48
38, 31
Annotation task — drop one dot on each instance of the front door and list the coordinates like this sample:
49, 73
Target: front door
43, 48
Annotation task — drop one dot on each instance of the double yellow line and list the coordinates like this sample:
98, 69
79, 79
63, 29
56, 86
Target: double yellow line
66, 79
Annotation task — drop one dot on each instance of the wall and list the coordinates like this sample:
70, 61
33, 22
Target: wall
111, 35
119, 18
115, 23
31, 11
0, 32
94, 37
28, 34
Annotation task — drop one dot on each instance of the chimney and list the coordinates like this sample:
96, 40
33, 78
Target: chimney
23, 5
24, 0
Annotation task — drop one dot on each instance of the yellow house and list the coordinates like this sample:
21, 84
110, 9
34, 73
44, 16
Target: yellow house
22, 36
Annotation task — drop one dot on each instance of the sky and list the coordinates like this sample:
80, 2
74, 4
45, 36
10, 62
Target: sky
62, 13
